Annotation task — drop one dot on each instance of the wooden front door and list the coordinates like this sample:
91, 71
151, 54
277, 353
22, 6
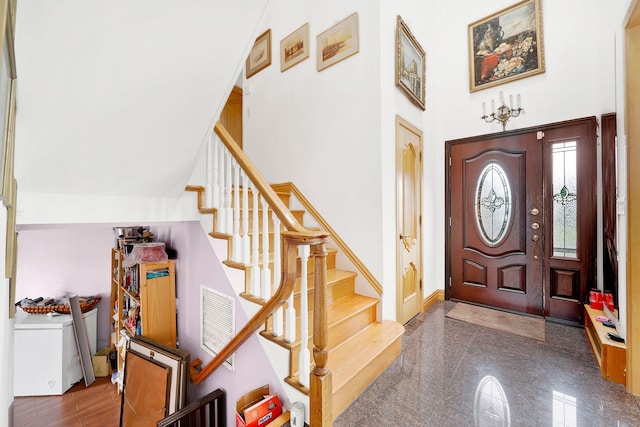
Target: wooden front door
522, 219
409, 220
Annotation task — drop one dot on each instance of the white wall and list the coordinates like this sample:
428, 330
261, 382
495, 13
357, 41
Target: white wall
116, 99
304, 126
6, 336
322, 129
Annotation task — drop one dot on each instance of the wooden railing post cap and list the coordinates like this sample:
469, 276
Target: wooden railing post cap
305, 238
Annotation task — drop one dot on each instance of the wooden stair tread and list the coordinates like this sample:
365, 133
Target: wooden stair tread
355, 354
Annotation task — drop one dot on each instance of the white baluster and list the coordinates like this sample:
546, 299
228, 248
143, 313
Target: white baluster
221, 220
228, 212
304, 366
265, 276
236, 241
246, 246
215, 178
208, 188
255, 253
290, 320
277, 268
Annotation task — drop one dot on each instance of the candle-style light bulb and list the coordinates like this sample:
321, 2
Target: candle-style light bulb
484, 109
493, 107
518, 98
501, 98
511, 101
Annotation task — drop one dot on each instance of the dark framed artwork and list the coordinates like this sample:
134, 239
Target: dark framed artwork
410, 64
506, 46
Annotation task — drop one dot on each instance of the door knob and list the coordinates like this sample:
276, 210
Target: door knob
535, 211
535, 225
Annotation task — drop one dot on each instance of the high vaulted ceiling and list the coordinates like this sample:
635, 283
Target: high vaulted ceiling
115, 98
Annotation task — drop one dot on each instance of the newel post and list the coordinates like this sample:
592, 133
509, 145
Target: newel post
320, 389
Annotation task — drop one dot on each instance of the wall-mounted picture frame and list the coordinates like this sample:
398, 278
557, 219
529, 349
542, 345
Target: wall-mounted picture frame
410, 64
294, 48
338, 42
506, 46
260, 55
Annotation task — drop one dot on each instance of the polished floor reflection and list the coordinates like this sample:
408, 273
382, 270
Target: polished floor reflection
453, 373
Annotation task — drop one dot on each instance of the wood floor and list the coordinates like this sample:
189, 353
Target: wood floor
97, 405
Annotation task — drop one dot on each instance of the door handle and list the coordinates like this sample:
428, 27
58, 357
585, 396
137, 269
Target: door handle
405, 236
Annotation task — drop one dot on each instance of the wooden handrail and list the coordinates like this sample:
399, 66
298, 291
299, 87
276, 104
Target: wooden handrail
265, 190
291, 240
295, 235
320, 398
290, 187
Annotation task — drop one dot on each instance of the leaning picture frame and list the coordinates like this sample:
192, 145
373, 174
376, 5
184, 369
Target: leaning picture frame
410, 64
338, 42
294, 48
260, 54
506, 46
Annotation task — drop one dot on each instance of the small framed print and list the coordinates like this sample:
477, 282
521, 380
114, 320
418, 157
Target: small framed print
338, 42
260, 55
294, 48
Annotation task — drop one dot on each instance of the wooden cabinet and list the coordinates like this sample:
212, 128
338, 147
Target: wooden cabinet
143, 300
611, 355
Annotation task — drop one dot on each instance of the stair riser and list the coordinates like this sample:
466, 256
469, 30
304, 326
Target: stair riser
335, 291
337, 334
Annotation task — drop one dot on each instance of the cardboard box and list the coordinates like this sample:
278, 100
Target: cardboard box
101, 364
257, 408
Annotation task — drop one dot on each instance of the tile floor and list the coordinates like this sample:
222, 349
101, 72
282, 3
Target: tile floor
453, 373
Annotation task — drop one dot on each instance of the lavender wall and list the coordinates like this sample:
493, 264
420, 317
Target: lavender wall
54, 260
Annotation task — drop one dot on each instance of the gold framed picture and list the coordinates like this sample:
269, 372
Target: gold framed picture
410, 64
338, 42
294, 48
260, 55
506, 46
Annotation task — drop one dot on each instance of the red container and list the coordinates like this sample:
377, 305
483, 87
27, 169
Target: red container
595, 298
608, 300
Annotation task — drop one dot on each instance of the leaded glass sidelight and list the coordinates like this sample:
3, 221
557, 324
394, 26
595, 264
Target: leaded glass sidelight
565, 215
493, 203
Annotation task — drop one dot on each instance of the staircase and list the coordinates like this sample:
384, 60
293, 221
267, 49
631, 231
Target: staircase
359, 346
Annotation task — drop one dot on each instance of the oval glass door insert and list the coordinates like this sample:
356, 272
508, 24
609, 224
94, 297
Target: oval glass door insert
493, 204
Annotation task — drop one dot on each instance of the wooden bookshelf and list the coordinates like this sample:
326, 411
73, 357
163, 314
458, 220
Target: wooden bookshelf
610, 355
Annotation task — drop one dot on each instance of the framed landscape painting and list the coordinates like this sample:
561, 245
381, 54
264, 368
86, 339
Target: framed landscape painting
294, 48
338, 42
410, 64
506, 46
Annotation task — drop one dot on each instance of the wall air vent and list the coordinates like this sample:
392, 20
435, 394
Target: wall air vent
217, 317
